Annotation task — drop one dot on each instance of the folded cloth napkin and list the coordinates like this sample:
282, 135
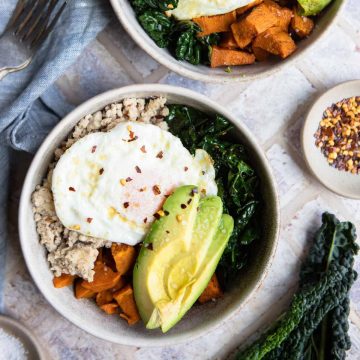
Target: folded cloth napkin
29, 104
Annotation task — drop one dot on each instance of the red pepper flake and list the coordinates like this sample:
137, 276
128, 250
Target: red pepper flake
157, 216
194, 191
126, 205
138, 170
101, 171
89, 220
156, 190
93, 149
133, 139
128, 179
71, 189
143, 149
145, 220
167, 195
186, 168
160, 155
131, 134
183, 206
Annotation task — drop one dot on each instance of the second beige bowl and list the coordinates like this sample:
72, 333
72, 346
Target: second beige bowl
128, 19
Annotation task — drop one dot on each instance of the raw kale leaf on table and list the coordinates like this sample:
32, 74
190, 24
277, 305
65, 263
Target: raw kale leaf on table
238, 184
178, 36
316, 325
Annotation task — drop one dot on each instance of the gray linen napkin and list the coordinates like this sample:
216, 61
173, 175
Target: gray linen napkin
29, 105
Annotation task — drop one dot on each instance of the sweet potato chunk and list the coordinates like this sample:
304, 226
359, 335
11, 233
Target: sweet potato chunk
81, 292
275, 41
260, 54
212, 291
126, 301
124, 256
110, 308
104, 279
302, 25
260, 19
104, 297
245, 8
63, 280
226, 57
228, 41
216, 23
283, 14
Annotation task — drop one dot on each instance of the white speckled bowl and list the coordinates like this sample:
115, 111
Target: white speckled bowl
127, 18
200, 319
340, 182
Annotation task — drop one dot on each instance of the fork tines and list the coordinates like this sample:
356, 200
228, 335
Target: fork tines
33, 20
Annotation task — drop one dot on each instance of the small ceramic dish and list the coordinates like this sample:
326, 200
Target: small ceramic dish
340, 182
19, 331
200, 319
126, 15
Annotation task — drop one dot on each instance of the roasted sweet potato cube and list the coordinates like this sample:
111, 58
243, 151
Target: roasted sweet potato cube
260, 54
124, 256
212, 291
283, 14
111, 308
227, 57
82, 293
228, 41
244, 9
275, 41
126, 301
215, 24
104, 297
104, 279
63, 280
302, 25
260, 19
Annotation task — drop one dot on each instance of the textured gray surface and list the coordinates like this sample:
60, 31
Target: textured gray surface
273, 109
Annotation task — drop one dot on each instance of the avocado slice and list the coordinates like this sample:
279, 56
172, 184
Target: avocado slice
171, 274
171, 233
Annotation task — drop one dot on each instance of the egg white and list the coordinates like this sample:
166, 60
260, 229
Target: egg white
190, 9
107, 185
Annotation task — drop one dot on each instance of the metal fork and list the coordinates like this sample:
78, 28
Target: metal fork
30, 24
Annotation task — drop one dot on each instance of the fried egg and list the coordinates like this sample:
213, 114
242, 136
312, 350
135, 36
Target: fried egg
190, 9
112, 185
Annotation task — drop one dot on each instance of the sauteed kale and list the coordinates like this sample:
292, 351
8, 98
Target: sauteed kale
238, 184
178, 36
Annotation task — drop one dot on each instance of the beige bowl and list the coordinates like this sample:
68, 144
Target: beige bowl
127, 18
200, 319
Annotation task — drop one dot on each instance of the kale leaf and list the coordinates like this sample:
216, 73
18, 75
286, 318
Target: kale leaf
238, 183
180, 37
157, 25
316, 325
141, 5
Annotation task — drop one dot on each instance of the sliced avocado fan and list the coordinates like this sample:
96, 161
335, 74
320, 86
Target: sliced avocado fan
179, 256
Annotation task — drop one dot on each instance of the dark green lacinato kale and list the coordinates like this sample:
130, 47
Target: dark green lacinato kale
157, 25
238, 183
141, 5
315, 327
180, 37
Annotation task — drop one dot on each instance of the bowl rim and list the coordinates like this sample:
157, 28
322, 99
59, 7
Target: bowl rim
304, 145
72, 118
177, 67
